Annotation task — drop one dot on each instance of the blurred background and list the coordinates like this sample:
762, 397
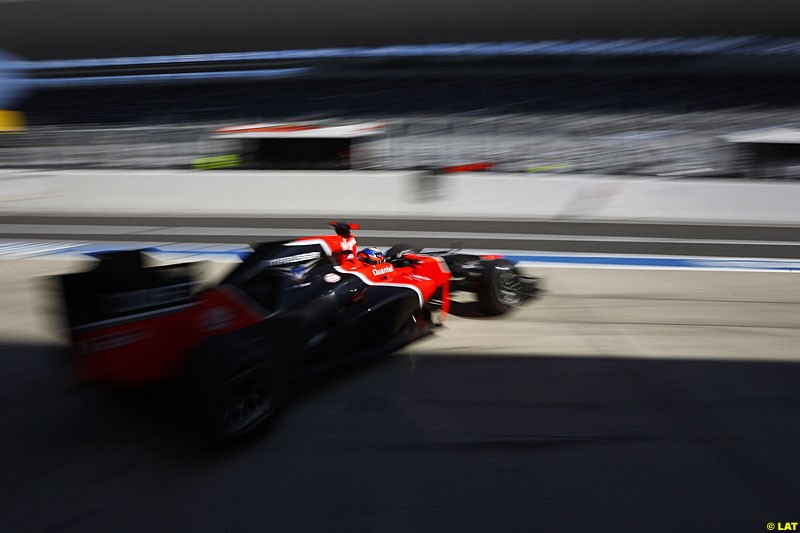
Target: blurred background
641, 158
611, 88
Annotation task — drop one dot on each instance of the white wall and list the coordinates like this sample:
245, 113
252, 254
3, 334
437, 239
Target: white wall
367, 193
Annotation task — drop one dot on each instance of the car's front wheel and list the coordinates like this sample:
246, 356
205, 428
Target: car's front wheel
499, 287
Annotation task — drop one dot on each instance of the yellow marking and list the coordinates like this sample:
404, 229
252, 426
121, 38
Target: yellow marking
219, 161
11, 121
546, 168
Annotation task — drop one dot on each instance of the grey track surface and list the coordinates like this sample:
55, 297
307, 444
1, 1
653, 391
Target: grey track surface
620, 401
556, 236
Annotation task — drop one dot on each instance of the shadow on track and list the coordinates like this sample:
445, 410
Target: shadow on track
429, 443
469, 309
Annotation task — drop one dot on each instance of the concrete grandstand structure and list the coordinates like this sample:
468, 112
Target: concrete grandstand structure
189, 66
621, 106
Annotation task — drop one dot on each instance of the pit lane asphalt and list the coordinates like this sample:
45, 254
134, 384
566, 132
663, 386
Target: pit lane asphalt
623, 400
551, 236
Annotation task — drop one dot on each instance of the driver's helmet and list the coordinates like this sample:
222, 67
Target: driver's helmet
371, 256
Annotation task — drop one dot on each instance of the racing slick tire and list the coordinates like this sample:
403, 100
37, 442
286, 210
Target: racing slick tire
499, 287
247, 405
237, 395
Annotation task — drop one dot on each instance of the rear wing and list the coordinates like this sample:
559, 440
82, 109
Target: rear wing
122, 288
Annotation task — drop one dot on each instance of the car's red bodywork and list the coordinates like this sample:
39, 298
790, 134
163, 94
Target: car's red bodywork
152, 347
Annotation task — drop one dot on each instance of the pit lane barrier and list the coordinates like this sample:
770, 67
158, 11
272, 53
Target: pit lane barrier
472, 195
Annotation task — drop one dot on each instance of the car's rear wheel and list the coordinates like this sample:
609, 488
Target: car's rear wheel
235, 390
499, 287
246, 405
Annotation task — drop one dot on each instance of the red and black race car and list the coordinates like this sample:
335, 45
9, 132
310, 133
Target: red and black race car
290, 310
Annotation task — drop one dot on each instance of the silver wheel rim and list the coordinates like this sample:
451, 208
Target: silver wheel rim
244, 409
508, 288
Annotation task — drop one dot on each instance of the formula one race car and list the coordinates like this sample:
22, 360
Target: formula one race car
289, 310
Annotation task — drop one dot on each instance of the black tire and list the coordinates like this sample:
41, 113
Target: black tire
246, 406
499, 287
233, 390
